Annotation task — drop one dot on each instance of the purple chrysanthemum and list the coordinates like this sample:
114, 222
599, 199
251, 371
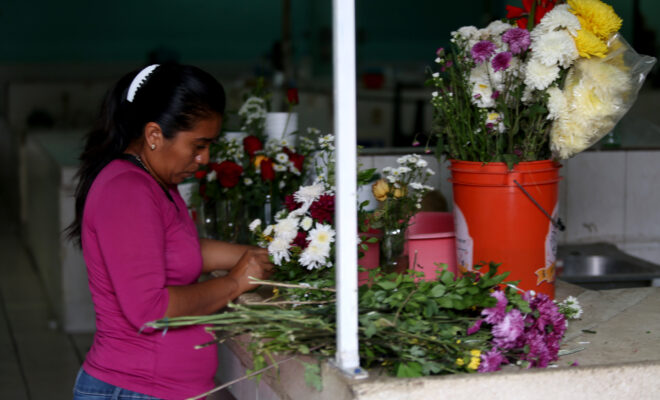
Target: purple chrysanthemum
491, 361
495, 95
495, 314
508, 330
501, 61
475, 327
517, 39
482, 51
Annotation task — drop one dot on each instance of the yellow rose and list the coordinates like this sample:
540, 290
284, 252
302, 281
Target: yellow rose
399, 192
380, 189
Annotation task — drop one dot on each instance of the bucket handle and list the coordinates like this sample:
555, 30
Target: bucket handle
556, 223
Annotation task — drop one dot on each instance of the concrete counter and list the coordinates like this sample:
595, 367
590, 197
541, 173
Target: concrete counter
620, 360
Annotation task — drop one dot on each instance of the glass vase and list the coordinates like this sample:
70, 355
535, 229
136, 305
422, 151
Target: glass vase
391, 250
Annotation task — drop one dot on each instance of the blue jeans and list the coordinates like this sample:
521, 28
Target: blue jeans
89, 388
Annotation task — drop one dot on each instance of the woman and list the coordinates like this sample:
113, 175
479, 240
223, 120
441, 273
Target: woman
141, 248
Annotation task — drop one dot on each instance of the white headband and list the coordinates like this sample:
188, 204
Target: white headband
139, 79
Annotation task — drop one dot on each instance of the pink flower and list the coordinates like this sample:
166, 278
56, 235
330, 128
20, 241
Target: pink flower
517, 39
482, 51
501, 61
475, 327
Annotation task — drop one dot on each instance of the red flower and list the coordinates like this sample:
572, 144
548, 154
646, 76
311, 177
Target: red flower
292, 96
521, 14
252, 144
200, 174
323, 209
297, 161
291, 203
267, 171
301, 240
228, 173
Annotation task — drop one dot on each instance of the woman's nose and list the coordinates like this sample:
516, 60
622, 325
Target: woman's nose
203, 157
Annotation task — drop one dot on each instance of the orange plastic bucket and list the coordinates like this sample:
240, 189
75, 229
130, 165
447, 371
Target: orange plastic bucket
496, 220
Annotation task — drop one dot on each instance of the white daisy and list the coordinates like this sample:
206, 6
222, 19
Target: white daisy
279, 167
430, 171
497, 28
282, 158
321, 235
421, 163
247, 181
416, 185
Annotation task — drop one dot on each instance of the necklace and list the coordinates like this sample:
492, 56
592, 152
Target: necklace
137, 157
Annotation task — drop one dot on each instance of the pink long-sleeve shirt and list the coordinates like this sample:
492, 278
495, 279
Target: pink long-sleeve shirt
136, 242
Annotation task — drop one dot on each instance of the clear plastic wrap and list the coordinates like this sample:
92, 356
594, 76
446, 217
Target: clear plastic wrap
597, 93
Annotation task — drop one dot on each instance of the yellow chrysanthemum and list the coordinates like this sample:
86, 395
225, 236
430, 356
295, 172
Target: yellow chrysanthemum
474, 363
460, 362
596, 16
588, 44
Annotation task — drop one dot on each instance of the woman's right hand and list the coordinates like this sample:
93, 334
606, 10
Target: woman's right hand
253, 263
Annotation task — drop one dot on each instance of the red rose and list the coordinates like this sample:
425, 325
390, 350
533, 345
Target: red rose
292, 96
297, 161
200, 174
267, 171
228, 173
252, 144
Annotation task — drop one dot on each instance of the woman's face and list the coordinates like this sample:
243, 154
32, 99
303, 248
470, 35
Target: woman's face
180, 157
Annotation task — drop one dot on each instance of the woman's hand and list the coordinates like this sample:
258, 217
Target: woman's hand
253, 263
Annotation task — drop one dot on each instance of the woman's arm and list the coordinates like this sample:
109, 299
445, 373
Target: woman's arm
221, 255
211, 295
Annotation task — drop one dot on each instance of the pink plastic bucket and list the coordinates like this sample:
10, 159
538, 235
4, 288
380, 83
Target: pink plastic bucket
371, 258
431, 240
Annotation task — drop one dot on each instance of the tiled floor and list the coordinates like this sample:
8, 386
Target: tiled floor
37, 360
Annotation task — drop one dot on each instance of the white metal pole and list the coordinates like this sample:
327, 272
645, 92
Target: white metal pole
343, 48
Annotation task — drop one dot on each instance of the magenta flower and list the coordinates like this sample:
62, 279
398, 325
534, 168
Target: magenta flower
517, 39
495, 314
501, 61
491, 361
508, 330
482, 51
475, 327
495, 95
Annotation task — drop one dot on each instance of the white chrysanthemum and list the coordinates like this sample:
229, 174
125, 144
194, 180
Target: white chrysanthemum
557, 19
211, 176
286, 228
321, 235
308, 194
314, 256
556, 103
555, 48
278, 248
466, 32
497, 28
327, 142
279, 167
269, 230
538, 75
254, 225
306, 223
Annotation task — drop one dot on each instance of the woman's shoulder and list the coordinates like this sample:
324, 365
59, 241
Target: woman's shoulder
122, 176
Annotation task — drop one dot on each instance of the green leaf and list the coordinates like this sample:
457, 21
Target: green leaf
387, 285
313, 376
447, 277
438, 290
408, 370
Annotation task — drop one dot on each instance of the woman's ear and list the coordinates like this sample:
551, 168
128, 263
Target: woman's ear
153, 135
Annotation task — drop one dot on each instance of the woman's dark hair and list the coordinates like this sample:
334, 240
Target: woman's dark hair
176, 97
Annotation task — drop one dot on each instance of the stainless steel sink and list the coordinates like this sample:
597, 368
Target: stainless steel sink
603, 266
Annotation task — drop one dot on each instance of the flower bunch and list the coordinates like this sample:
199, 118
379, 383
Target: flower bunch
303, 233
400, 192
549, 86
528, 332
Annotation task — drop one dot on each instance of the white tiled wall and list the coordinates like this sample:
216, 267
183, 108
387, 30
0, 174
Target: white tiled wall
605, 196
